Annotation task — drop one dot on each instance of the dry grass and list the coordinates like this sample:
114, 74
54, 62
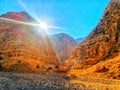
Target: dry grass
109, 68
90, 83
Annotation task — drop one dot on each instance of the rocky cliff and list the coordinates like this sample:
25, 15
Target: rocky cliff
24, 48
101, 45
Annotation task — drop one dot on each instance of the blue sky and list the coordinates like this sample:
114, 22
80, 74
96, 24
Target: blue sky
79, 17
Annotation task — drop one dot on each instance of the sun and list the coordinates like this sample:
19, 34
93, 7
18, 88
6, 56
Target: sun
43, 25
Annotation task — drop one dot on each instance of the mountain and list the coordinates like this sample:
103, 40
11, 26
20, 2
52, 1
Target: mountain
99, 54
20, 16
63, 44
24, 48
79, 40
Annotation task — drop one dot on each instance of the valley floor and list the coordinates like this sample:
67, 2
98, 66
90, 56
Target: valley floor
30, 81
53, 81
92, 83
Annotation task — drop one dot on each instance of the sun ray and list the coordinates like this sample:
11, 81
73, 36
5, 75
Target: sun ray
41, 24
34, 14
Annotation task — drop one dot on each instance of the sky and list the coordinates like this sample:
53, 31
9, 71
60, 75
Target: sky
77, 17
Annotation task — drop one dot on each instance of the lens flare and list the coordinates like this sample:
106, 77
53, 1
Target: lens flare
42, 25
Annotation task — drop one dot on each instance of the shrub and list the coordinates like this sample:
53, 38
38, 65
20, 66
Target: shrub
1, 58
19, 61
56, 66
49, 68
1, 68
37, 66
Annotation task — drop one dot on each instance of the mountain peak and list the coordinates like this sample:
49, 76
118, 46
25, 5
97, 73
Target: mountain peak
21, 47
16, 15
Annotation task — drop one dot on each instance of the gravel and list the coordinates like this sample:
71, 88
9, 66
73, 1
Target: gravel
30, 81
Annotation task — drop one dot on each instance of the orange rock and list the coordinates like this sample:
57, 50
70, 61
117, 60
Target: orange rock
22, 47
102, 44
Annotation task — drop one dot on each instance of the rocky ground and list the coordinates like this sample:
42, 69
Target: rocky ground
54, 81
22, 81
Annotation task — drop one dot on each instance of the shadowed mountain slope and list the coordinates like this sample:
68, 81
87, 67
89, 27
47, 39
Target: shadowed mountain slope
64, 45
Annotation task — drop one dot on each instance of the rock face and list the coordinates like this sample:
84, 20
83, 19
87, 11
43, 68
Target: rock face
104, 39
102, 44
63, 44
24, 48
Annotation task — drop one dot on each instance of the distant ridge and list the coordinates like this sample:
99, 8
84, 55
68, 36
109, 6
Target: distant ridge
79, 40
64, 45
